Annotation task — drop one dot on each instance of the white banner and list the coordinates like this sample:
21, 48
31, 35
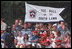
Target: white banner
36, 13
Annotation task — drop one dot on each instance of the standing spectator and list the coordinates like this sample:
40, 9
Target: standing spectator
2, 39
3, 24
25, 29
18, 25
16, 22
20, 22
30, 26
14, 26
8, 38
63, 29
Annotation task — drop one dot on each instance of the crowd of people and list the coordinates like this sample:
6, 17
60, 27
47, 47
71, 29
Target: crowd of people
35, 35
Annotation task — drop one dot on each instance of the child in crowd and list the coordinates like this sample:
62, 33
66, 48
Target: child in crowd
19, 40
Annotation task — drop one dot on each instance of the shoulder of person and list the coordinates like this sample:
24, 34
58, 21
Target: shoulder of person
4, 23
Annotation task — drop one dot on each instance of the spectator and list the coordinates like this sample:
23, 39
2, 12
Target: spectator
25, 30
63, 29
19, 25
26, 41
8, 38
54, 30
20, 40
37, 26
2, 39
67, 41
31, 26
20, 22
52, 37
14, 31
16, 22
3, 24
35, 36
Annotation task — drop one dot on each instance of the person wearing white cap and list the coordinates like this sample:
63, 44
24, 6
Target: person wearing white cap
55, 24
54, 29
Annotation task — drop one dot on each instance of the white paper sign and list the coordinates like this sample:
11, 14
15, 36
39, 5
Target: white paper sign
36, 13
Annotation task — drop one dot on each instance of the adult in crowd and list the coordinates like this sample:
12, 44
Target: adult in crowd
3, 25
8, 39
31, 26
63, 29
26, 30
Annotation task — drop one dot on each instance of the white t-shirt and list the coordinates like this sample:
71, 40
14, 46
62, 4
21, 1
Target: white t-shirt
20, 40
53, 43
3, 26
